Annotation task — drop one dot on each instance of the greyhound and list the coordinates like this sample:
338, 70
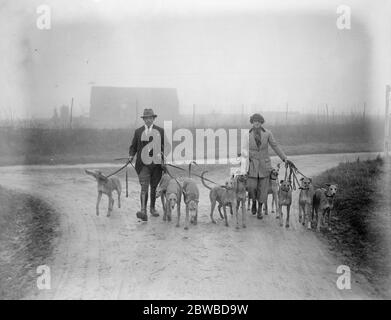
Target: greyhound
173, 199
224, 195
284, 199
191, 197
106, 186
305, 201
240, 189
161, 191
273, 189
323, 203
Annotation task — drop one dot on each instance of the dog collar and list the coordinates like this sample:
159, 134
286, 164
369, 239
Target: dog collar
272, 179
304, 188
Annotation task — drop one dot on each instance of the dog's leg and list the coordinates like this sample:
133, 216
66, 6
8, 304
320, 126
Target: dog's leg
265, 206
236, 214
178, 209
281, 216
312, 213
230, 208
111, 201
248, 202
119, 198
219, 208
225, 216
327, 218
244, 213
288, 209
196, 216
97, 202
187, 218
275, 202
300, 214
319, 219
305, 215
212, 208
169, 213
307, 212
277, 208
162, 197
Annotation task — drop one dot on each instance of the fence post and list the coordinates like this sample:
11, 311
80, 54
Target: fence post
387, 124
126, 178
193, 116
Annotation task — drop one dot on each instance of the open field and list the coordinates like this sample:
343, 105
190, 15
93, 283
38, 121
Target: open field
83, 145
120, 257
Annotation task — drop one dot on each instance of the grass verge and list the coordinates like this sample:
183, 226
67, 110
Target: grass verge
28, 227
360, 225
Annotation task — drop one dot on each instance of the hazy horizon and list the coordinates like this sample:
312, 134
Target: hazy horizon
222, 55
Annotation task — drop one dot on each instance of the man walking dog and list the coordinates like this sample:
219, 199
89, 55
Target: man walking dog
256, 154
148, 145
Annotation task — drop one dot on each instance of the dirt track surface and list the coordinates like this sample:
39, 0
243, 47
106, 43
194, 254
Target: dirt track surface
122, 258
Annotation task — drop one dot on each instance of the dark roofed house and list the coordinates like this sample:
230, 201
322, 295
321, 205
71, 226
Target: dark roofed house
123, 106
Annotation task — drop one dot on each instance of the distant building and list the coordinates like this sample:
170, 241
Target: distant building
64, 113
123, 106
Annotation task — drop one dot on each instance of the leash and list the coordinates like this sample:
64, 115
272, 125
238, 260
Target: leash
123, 167
293, 180
293, 172
168, 172
194, 174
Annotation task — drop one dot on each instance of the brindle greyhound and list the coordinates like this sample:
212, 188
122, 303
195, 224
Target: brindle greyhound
241, 181
284, 199
224, 195
323, 203
191, 197
273, 190
161, 191
305, 201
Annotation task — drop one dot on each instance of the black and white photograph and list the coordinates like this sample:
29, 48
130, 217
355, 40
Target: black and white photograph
197, 150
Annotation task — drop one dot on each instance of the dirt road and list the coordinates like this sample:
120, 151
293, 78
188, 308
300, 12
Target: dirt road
121, 258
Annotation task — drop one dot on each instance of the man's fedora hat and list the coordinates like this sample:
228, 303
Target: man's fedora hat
148, 113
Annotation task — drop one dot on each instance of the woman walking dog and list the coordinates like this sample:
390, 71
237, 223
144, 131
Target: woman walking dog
255, 152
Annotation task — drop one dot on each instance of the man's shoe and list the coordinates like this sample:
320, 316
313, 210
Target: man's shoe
142, 215
154, 213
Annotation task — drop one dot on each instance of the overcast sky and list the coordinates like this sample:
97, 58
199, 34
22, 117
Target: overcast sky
218, 54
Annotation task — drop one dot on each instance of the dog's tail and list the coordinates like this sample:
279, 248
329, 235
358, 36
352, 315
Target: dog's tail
203, 181
190, 167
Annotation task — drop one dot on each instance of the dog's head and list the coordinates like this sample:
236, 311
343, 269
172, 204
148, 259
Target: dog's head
97, 175
192, 205
331, 189
162, 185
172, 200
242, 178
230, 184
274, 172
285, 185
305, 183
